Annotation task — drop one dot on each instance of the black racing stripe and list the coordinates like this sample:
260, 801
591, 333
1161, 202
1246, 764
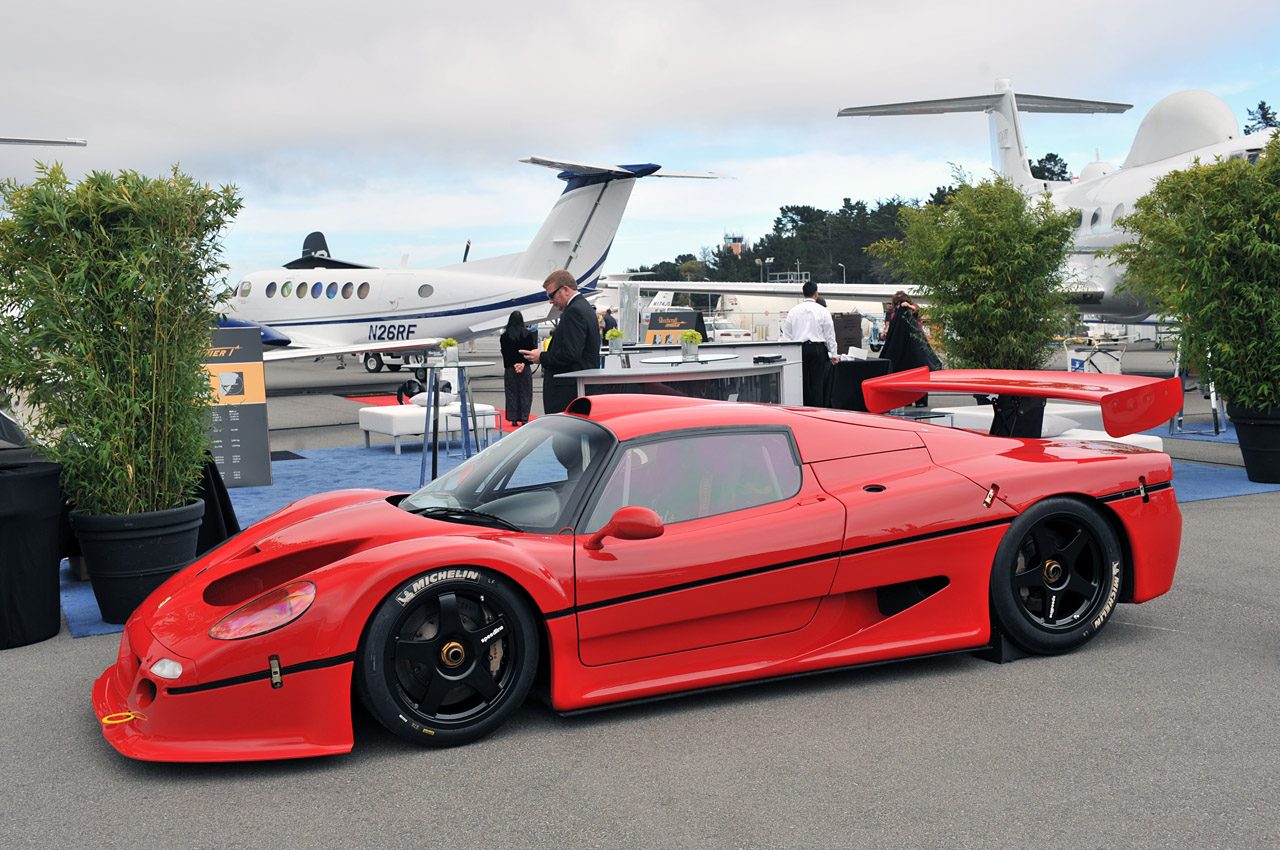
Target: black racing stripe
1136, 491
779, 566
317, 664
768, 568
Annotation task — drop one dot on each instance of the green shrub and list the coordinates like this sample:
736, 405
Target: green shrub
1206, 252
108, 294
989, 263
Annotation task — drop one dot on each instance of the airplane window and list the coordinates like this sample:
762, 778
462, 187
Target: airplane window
347, 289
316, 289
271, 289
287, 289
1252, 155
1117, 214
363, 291
1079, 218
1095, 223
245, 286
332, 290
425, 290
302, 289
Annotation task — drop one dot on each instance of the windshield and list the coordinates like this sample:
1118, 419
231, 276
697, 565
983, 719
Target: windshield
532, 478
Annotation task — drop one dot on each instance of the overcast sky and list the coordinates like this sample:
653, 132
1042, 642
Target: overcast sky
395, 127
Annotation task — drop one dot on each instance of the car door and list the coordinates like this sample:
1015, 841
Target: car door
749, 547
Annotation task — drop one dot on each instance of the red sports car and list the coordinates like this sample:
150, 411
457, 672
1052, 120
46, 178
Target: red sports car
639, 546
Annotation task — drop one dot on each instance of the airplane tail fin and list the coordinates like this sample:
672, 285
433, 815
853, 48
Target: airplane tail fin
1008, 154
579, 230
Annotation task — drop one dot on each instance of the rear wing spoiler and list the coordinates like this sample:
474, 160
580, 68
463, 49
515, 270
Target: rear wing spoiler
1130, 403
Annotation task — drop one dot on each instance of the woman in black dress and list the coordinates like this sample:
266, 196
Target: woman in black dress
517, 377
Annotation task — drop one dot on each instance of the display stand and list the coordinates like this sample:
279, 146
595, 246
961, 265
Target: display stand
1219, 415
431, 430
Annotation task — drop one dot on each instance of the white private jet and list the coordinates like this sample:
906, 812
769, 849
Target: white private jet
1180, 129
318, 306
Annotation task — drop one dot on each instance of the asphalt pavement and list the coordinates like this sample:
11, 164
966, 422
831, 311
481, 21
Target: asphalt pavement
1159, 733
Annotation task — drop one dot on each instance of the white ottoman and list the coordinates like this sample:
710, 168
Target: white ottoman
395, 421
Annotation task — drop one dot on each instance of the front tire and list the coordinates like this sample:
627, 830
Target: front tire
373, 362
448, 656
1056, 577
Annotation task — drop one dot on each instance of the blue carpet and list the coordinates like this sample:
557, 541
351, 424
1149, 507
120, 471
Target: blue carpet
335, 469
1200, 433
379, 466
80, 607
1195, 482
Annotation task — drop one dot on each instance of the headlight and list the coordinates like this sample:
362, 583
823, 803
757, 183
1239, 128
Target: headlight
269, 611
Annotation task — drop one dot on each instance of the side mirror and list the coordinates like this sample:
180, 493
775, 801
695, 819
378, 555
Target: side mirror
629, 523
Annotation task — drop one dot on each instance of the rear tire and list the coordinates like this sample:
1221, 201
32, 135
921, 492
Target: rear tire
1056, 577
448, 656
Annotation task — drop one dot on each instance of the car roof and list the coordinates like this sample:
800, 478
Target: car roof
821, 434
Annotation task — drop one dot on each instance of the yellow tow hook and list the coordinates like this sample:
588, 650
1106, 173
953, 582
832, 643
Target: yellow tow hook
120, 717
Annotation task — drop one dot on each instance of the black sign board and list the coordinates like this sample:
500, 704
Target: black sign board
238, 422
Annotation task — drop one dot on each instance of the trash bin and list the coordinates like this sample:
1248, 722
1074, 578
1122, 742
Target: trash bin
30, 509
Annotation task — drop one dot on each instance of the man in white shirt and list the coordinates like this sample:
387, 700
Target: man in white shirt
810, 323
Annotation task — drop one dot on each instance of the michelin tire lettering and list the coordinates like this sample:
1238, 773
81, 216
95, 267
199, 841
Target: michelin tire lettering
407, 595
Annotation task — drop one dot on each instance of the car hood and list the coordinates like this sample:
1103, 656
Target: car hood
297, 543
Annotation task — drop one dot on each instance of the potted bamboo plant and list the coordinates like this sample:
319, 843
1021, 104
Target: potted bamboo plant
108, 296
989, 261
1206, 250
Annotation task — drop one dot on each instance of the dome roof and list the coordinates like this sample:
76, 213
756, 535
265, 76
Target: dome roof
1183, 121
1095, 170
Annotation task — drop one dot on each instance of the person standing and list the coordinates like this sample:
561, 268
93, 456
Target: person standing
905, 344
575, 344
517, 375
810, 324
610, 323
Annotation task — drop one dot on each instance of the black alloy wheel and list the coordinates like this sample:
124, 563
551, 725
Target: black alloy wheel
1056, 577
448, 656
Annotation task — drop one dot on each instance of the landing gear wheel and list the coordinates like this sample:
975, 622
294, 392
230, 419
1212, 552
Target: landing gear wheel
1056, 577
448, 657
373, 362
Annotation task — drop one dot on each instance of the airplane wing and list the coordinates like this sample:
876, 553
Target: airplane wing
985, 103
78, 143
855, 291
304, 351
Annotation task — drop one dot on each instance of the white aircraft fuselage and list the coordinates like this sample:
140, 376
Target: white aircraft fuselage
1180, 130
317, 305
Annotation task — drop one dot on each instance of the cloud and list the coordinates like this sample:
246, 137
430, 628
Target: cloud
390, 121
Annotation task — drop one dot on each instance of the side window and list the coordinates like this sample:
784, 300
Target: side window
700, 476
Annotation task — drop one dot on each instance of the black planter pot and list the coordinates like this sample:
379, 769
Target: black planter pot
130, 556
30, 508
1017, 416
1259, 434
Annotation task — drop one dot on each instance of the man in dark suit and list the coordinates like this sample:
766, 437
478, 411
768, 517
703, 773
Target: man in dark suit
574, 345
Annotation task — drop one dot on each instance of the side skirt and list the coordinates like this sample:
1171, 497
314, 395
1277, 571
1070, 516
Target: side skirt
769, 679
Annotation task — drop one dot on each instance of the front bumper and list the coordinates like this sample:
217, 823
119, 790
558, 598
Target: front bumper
309, 714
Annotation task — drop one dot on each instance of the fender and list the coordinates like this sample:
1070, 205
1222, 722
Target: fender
366, 578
